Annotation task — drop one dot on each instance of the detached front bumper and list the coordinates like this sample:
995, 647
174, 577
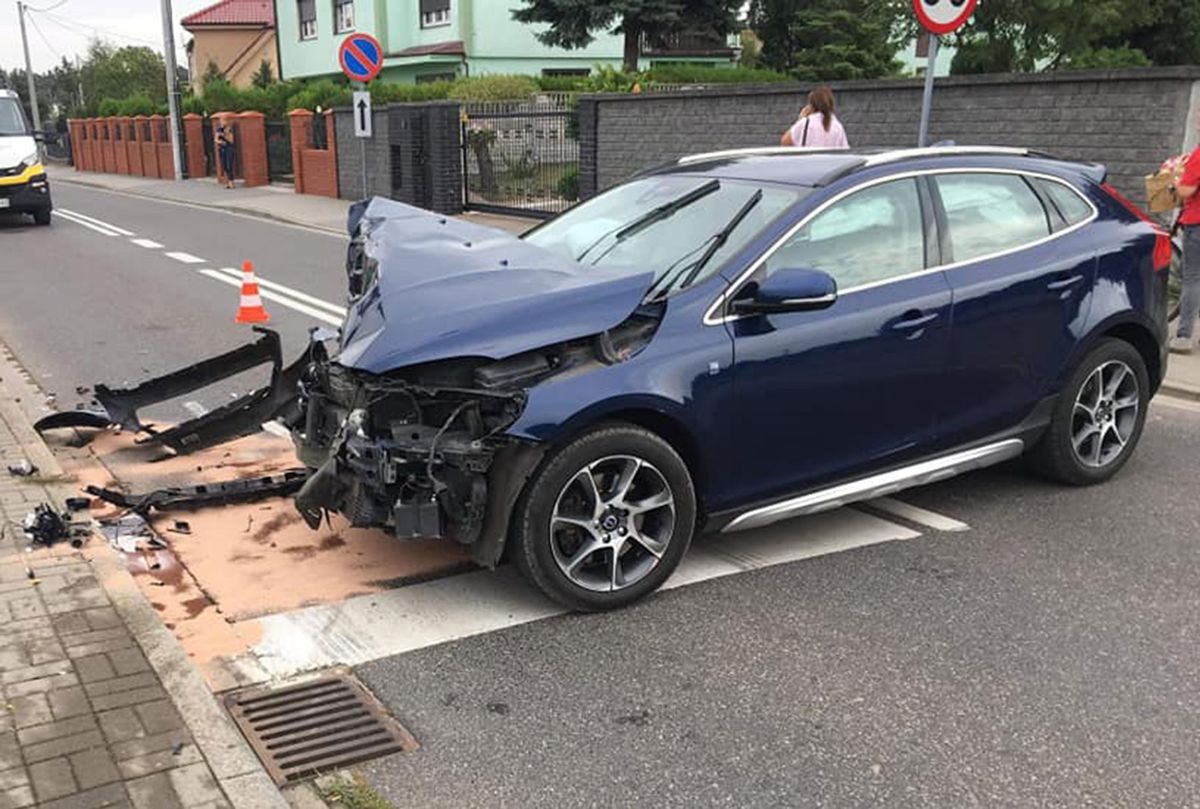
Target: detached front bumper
27, 196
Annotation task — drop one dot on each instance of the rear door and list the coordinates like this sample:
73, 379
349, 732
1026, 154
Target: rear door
1023, 280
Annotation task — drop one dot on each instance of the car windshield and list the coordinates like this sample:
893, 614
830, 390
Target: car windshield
12, 122
682, 228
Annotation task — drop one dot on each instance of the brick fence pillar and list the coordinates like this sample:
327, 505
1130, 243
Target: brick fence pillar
75, 131
161, 133
97, 150
193, 136
134, 147
156, 141
141, 132
300, 123
252, 129
106, 141
120, 149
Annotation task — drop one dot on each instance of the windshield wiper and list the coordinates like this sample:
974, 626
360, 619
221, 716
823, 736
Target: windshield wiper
650, 217
717, 241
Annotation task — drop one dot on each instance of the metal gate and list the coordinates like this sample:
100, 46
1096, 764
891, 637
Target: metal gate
520, 159
279, 152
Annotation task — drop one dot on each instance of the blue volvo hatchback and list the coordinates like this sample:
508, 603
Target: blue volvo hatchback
728, 341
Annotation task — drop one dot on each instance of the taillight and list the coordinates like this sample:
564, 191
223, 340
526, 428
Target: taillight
1163, 247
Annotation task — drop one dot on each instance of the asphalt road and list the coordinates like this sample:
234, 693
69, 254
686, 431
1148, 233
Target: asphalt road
80, 306
1047, 657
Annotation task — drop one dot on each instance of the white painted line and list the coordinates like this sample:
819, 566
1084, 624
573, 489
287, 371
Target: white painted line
324, 317
905, 511
186, 258
295, 293
95, 221
88, 225
196, 409
371, 627
149, 244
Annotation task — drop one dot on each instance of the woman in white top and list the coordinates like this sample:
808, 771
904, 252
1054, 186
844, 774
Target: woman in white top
818, 127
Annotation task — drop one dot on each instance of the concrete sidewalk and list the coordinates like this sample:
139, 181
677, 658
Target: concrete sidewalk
99, 705
278, 202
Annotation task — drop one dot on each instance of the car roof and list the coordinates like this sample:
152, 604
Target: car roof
816, 168
7, 93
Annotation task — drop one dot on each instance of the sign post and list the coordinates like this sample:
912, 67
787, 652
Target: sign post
361, 58
940, 17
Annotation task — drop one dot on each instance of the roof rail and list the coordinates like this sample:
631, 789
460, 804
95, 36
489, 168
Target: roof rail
756, 150
897, 155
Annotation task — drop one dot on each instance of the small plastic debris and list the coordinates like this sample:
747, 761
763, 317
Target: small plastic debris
182, 527
177, 749
82, 390
45, 526
249, 523
23, 469
131, 533
78, 503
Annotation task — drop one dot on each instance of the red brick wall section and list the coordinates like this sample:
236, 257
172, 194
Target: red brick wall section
120, 152
106, 143
74, 133
95, 151
300, 126
162, 141
315, 169
133, 148
193, 128
252, 128
149, 150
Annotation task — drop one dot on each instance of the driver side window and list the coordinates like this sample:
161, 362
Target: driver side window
870, 236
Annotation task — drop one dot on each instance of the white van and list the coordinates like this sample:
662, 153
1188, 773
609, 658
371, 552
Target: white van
23, 183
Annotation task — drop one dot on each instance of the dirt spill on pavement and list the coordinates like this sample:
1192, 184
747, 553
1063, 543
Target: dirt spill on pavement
240, 562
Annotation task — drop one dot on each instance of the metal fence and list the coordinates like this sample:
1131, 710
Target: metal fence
279, 152
521, 158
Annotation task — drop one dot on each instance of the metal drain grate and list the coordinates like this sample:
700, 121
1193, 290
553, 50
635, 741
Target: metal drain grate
315, 727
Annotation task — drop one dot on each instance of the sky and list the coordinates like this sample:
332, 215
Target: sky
65, 27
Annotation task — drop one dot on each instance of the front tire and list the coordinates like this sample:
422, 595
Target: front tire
1099, 417
606, 519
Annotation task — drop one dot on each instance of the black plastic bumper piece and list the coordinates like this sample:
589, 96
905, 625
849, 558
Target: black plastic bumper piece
211, 494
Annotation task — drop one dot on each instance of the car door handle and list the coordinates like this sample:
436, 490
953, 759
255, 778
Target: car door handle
914, 320
1065, 283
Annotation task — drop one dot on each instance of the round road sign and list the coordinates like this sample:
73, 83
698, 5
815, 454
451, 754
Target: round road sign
944, 16
361, 57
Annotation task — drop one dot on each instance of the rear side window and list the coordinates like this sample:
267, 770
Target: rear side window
990, 213
1074, 208
870, 236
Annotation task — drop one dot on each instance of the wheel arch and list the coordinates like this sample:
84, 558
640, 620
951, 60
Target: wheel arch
1142, 339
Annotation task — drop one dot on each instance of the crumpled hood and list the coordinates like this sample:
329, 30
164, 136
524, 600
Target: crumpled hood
15, 147
448, 288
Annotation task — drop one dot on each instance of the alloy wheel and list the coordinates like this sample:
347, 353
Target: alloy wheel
612, 523
1105, 415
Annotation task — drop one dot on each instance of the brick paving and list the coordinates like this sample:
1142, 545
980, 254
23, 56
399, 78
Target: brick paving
84, 720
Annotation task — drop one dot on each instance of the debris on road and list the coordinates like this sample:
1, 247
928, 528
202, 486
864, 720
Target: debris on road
78, 504
23, 469
181, 527
210, 494
45, 526
130, 533
241, 417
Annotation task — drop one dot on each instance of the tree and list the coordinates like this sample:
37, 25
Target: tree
110, 72
211, 73
264, 76
1173, 38
821, 40
574, 23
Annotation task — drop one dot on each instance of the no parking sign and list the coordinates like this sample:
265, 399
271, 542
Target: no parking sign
940, 17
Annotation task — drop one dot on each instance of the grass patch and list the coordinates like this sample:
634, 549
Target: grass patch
354, 793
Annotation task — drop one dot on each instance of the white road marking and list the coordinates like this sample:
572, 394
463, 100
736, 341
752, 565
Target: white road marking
196, 409
95, 221
149, 244
905, 511
186, 258
295, 293
70, 218
324, 317
371, 627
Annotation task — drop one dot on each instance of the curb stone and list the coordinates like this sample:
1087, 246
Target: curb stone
233, 764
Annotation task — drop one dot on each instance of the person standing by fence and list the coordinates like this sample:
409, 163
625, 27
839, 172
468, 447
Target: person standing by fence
818, 126
225, 150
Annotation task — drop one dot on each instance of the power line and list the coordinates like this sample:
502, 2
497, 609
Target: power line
45, 41
87, 28
44, 10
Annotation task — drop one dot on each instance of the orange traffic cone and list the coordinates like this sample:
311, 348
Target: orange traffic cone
251, 309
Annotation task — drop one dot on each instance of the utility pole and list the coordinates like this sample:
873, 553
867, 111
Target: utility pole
172, 89
33, 102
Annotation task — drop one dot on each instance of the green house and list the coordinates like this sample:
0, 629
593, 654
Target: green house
428, 40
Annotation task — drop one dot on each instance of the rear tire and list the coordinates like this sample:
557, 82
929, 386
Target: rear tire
1099, 418
606, 519
41, 217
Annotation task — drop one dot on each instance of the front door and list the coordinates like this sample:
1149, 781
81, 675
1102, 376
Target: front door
823, 396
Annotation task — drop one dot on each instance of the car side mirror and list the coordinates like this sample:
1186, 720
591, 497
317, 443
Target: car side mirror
797, 290
39, 135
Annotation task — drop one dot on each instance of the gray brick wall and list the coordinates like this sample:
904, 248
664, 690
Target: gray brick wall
1129, 120
413, 155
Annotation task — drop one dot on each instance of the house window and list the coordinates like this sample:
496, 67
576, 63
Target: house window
343, 16
435, 13
308, 19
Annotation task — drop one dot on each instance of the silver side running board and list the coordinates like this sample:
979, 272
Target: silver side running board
880, 485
